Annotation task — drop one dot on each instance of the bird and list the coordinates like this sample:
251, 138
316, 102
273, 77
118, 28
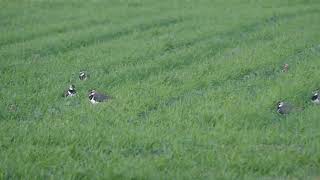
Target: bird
285, 68
315, 98
283, 108
96, 97
83, 75
71, 91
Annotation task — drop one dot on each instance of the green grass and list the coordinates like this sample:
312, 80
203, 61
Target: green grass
194, 84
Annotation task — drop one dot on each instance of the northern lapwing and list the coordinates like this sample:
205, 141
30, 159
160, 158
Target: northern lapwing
315, 98
285, 68
83, 75
71, 91
287, 108
96, 97
283, 108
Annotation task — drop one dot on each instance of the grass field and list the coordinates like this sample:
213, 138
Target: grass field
194, 87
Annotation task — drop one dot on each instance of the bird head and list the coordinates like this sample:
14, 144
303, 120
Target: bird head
315, 96
92, 92
72, 87
82, 75
280, 104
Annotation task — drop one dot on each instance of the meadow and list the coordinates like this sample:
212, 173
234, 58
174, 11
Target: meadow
194, 84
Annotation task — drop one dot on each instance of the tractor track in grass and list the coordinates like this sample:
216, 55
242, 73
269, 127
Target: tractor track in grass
69, 28
233, 34
188, 60
101, 38
239, 79
135, 75
54, 31
244, 30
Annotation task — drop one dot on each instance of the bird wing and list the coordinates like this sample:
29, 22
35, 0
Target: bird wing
100, 97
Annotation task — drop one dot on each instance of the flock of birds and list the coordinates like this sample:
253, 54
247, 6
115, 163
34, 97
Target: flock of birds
96, 97
286, 108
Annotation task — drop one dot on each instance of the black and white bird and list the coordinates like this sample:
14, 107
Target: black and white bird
315, 98
287, 108
71, 91
283, 108
83, 75
96, 97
